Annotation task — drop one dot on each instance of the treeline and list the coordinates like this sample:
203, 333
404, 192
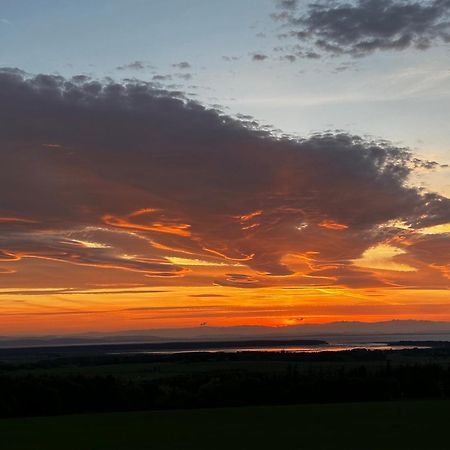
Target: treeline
53, 360
45, 394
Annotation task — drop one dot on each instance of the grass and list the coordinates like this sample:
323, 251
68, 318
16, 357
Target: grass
358, 426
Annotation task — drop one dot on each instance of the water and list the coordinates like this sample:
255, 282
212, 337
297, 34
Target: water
332, 347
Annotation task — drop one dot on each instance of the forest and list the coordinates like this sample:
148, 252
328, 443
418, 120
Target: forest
59, 384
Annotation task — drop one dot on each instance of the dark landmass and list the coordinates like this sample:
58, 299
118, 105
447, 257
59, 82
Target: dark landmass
30, 352
432, 344
79, 383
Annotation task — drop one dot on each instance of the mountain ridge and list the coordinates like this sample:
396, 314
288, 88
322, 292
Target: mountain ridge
401, 329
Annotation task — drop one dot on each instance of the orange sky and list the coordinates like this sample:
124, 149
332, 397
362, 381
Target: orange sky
140, 308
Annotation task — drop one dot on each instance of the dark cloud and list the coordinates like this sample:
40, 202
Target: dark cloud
207, 295
245, 117
182, 65
360, 27
240, 280
306, 54
136, 65
33, 292
287, 4
162, 77
56, 313
344, 67
290, 58
174, 308
184, 76
259, 57
124, 175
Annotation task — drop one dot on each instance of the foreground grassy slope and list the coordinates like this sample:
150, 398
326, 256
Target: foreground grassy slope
368, 426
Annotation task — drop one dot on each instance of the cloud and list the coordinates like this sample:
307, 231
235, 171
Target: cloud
143, 180
383, 257
136, 65
361, 27
54, 246
240, 280
344, 67
259, 57
161, 77
184, 76
182, 65
290, 58
231, 58
208, 295
287, 4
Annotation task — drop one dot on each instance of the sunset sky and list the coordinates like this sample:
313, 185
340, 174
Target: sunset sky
171, 163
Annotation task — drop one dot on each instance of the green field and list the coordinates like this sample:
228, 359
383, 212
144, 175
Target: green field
364, 426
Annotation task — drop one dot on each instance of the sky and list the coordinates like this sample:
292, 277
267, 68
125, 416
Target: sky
255, 162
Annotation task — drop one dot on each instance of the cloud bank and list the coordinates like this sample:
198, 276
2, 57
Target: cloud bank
131, 177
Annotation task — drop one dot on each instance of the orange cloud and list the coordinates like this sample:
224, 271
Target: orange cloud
331, 225
246, 217
181, 229
16, 220
222, 255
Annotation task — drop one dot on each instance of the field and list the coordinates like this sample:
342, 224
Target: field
362, 426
